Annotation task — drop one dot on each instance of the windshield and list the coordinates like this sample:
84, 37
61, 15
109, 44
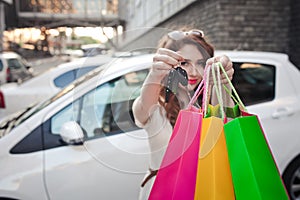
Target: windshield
15, 63
19, 117
60, 94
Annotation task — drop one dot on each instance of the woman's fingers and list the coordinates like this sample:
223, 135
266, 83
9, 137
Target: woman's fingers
161, 66
229, 73
170, 53
226, 63
165, 59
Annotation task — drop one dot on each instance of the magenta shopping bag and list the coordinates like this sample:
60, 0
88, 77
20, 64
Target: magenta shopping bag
176, 178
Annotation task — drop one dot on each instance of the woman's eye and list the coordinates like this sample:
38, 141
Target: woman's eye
201, 64
184, 63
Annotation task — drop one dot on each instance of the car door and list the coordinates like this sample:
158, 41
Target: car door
266, 89
113, 158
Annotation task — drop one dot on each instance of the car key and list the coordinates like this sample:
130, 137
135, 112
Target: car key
176, 76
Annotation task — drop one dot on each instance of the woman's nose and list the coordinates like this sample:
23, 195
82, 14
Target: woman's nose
192, 70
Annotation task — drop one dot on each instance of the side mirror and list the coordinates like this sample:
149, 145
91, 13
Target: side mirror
71, 133
30, 69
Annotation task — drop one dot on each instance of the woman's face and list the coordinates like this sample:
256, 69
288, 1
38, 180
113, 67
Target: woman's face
194, 64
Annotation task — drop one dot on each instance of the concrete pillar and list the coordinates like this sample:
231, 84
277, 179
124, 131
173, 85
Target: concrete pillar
2, 25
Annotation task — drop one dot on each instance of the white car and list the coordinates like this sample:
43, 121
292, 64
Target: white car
83, 143
14, 68
14, 96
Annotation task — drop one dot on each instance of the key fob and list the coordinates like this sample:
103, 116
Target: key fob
175, 77
182, 76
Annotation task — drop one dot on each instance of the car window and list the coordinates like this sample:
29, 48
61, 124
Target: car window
1, 65
82, 71
106, 110
65, 79
69, 113
14, 63
68, 77
255, 82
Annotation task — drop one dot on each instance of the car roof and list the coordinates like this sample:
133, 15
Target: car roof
147, 58
253, 54
134, 62
8, 54
43, 78
87, 61
81, 62
120, 66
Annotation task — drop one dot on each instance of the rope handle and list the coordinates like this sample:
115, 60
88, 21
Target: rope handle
216, 75
203, 87
237, 99
206, 92
196, 94
217, 84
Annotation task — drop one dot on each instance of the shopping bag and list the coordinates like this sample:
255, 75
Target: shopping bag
176, 177
254, 171
214, 180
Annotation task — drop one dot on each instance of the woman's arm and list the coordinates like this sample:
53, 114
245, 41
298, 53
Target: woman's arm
163, 61
149, 97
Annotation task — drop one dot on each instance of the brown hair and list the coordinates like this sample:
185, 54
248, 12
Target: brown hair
206, 49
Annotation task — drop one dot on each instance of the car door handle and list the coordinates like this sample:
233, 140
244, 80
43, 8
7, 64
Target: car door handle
282, 112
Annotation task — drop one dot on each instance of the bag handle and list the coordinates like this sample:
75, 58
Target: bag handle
215, 68
217, 84
196, 94
206, 92
211, 69
237, 99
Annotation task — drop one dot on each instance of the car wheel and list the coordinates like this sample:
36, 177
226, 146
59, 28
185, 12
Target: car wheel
291, 178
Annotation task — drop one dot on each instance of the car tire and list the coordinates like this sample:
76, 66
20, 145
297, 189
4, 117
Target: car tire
291, 178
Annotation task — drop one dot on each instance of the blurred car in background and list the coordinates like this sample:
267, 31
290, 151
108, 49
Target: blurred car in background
85, 136
93, 49
14, 96
14, 68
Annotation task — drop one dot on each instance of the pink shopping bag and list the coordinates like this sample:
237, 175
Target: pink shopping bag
176, 178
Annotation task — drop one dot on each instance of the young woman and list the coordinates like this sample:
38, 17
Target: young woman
190, 51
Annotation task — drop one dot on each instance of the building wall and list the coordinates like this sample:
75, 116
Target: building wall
142, 15
294, 30
258, 25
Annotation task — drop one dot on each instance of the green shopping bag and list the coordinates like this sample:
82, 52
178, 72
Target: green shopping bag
254, 172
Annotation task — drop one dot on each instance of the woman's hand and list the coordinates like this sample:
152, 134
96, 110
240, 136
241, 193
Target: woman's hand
227, 64
163, 61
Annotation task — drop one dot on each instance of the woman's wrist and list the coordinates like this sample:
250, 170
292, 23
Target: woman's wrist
154, 77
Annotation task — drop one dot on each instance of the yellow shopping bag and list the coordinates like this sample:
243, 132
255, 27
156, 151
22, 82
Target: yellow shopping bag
214, 180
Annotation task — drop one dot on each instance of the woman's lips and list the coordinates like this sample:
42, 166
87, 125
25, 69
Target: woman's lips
192, 81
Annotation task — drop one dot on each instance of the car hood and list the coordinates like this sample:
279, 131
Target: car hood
8, 86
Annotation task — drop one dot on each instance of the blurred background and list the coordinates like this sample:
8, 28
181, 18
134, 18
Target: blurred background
37, 110
47, 28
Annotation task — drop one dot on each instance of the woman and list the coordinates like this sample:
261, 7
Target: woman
192, 52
